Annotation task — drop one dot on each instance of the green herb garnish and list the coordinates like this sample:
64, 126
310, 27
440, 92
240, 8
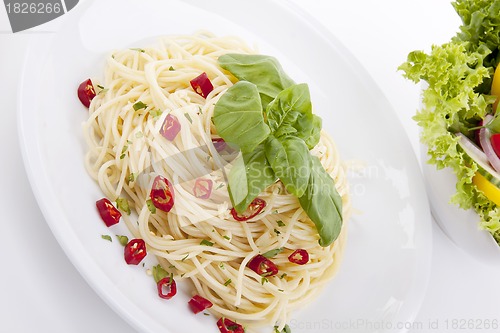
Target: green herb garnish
159, 273
123, 240
106, 237
228, 282
280, 223
151, 206
285, 329
139, 105
206, 242
273, 253
131, 177
122, 204
155, 113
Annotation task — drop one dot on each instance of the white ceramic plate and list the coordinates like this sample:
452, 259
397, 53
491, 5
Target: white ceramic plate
384, 275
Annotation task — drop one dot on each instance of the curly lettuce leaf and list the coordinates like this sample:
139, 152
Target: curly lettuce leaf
480, 26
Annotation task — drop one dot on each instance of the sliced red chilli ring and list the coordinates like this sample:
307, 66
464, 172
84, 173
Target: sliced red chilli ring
86, 92
299, 257
253, 210
170, 127
228, 326
202, 85
109, 214
167, 288
198, 304
135, 251
203, 188
162, 194
262, 266
219, 144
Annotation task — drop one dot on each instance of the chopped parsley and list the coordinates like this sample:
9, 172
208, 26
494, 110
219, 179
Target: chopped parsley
155, 113
228, 282
131, 177
123, 205
188, 117
139, 105
280, 223
123, 240
151, 206
159, 273
272, 253
107, 237
138, 49
206, 242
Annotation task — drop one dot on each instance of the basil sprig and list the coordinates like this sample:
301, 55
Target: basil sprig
270, 119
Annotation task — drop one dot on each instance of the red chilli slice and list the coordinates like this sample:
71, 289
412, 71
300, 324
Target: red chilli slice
109, 214
167, 288
162, 194
202, 85
203, 188
228, 326
262, 266
253, 210
219, 144
86, 92
135, 251
170, 127
198, 304
299, 257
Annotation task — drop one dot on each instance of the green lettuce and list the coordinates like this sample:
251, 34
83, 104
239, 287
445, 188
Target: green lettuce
456, 98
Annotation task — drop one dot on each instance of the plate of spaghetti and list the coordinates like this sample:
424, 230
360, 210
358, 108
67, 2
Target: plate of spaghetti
205, 172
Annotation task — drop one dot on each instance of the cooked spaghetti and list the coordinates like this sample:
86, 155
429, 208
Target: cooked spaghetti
198, 240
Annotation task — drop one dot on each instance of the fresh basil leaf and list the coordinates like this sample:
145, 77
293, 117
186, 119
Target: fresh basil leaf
248, 177
263, 71
322, 203
290, 160
290, 113
309, 130
288, 106
238, 117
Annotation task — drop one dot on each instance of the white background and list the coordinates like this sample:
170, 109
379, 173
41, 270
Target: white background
41, 291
